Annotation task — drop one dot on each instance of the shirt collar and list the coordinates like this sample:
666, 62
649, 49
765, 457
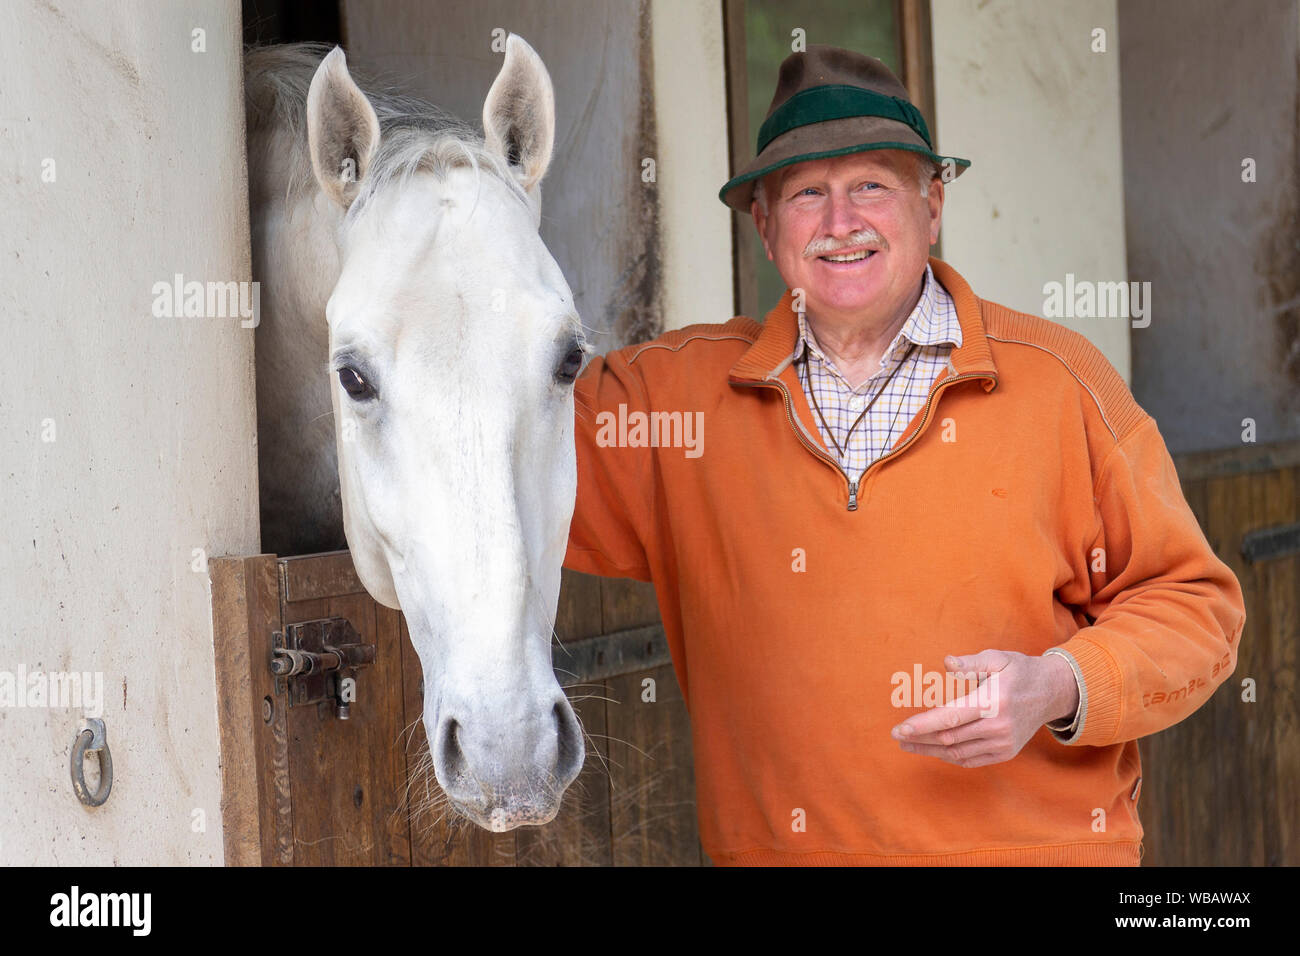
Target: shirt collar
770, 355
933, 322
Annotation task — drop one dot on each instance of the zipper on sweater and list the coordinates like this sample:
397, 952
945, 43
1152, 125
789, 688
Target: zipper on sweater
801, 433
854, 484
925, 419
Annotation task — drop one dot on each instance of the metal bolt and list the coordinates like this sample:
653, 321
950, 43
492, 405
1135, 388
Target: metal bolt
267, 710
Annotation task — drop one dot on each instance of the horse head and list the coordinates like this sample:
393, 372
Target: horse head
453, 348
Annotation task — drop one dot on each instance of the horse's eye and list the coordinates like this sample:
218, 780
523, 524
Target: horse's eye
571, 366
354, 384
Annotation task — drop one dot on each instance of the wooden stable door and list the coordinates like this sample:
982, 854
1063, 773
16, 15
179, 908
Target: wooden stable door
303, 786
1222, 788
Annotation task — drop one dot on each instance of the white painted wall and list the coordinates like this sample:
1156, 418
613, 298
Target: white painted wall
153, 418
691, 162
1019, 92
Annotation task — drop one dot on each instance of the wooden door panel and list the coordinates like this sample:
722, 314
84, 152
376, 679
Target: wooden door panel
303, 787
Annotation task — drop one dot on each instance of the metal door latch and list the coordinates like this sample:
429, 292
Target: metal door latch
318, 660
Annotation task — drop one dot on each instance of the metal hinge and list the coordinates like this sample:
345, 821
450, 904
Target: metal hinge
316, 661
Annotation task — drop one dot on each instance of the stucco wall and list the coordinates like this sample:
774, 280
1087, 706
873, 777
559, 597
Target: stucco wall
151, 418
1020, 93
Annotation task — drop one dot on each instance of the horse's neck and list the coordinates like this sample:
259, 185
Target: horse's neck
296, 260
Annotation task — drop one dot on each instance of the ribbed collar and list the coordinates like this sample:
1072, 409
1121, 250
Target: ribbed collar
775, 347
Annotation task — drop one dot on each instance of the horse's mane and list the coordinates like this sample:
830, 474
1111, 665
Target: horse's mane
414, 134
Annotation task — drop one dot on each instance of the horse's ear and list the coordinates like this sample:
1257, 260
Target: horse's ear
519, 113
342, 129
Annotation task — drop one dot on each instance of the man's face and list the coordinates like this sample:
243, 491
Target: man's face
866, 208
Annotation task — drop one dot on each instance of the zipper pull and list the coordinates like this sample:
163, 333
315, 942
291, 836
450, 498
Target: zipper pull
853, 496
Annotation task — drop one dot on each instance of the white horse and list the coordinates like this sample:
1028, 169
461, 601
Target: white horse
405, 287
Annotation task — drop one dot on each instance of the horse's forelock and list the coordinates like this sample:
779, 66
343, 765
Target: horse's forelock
405, 149
415, 135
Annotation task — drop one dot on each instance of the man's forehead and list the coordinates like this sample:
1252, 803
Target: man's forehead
875, 160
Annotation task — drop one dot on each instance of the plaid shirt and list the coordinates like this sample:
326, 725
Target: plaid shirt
934, 329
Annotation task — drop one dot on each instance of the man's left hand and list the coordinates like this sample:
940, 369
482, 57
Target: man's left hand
1016, 696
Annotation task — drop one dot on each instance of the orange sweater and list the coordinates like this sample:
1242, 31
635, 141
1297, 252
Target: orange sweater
1031, 504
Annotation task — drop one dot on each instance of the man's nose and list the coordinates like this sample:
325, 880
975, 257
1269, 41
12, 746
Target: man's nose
842, 215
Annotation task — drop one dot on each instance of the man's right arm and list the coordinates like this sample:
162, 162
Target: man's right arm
613, 515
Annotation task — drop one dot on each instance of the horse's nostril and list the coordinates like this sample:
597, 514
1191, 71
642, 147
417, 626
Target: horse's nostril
452, 758
569, 739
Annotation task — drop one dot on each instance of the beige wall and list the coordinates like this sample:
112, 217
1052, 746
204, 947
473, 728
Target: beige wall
1019, 92
690, 111
153, 424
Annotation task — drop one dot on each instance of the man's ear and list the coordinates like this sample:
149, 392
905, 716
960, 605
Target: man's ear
760, 223
936, 208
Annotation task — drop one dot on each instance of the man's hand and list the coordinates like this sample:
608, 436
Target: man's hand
1019, 693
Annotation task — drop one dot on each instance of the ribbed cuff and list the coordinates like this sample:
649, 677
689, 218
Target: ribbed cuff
1100, 691
1067, 731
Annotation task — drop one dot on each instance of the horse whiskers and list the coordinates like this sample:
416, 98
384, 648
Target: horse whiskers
625, 743
320, 416
411, 727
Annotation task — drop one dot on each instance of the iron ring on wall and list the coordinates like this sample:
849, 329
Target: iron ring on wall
93, 738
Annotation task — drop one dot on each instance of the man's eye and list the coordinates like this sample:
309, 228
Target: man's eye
354, 384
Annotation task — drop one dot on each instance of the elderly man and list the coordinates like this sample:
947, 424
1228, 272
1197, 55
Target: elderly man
931, 575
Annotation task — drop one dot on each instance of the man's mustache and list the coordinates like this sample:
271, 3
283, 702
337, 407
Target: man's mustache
829, 246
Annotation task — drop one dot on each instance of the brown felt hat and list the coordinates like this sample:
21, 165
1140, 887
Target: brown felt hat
831, 102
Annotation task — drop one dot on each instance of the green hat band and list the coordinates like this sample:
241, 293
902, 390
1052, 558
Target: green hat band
821, 103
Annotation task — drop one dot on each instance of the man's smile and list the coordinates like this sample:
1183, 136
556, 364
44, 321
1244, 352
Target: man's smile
848, 258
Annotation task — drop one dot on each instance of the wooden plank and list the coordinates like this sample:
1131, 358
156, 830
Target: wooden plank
744, 238
1280, 588
1220, 463
652, 779
625, 604
916, 57
1273, 717
578, 612
389, 634
314, 576
239, 712
354, 770
609, 655
916, 63
1218, 781
275, 805
1220, 788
